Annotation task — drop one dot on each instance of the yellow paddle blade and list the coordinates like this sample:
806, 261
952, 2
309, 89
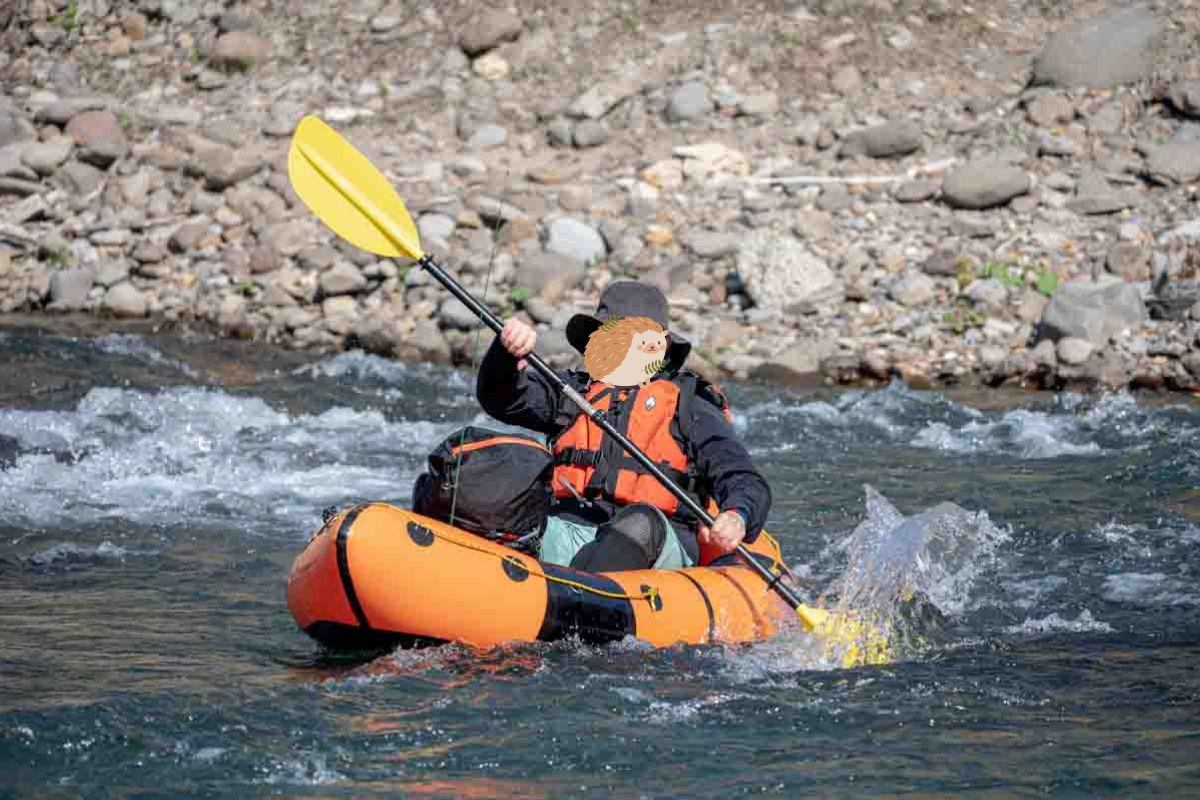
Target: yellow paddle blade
342, 187
864, 643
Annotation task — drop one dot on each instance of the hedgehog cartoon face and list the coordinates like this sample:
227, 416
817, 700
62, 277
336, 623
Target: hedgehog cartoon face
626, 351
651, 342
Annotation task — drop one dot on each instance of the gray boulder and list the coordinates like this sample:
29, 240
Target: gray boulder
539, 269
1074, 351
1092, 310
60, 112
913, 289
604, 97
45, 157
342, 278
14, 127
1049, 110
984, 184
126, 301
1101, 52
1174, 162
889, 140
689, 101
1187, 232
486, 136
487, 30
436, 226
799, 364
780, 274
574, 239
916, 191
69, 288
453, 314
1109, 201
1185, 97
988, 293
712, 244
590, 133
426, 343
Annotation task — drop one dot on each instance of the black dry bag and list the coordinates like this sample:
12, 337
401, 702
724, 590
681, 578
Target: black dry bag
495, 485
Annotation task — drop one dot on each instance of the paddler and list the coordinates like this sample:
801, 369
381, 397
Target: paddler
609, 514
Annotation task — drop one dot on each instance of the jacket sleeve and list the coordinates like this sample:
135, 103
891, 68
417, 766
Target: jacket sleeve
724, 464
516, 397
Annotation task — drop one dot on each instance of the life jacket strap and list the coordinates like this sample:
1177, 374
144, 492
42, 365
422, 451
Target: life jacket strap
576, 457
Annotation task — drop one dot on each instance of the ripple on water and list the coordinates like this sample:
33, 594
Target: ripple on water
366, 367
140, 348
68, 555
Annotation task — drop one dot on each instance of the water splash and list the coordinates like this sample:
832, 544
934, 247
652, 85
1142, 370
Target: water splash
908, 575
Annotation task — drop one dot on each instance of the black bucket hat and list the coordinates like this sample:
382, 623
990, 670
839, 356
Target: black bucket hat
629, 299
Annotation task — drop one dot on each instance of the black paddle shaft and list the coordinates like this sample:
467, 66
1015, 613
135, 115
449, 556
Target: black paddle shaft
597, 416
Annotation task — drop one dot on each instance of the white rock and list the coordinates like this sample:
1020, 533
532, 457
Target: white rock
343, 114
575, 239
491, 67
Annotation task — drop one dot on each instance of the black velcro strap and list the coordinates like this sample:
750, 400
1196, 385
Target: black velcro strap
575, 457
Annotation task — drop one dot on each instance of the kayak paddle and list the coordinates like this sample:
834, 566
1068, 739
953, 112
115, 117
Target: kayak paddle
345, 190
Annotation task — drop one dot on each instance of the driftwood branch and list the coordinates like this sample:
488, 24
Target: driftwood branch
820, 180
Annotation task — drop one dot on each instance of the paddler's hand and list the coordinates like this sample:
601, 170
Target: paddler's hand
727, 532
518, 339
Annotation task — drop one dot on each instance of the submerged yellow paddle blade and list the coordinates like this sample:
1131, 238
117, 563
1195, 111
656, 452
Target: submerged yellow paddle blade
862, 643
342, 187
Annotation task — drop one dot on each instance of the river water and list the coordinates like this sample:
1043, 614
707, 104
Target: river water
154, 491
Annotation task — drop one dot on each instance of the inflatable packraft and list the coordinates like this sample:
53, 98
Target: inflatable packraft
378, 575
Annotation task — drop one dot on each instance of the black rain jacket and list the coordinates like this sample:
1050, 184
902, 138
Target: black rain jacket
525, 398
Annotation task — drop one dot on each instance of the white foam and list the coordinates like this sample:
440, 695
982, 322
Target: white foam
1025, 434
197, 454
1030, 592
777, 660
664, 712
1147, 589
1076, 425
310, 770
1084, 623
70, 552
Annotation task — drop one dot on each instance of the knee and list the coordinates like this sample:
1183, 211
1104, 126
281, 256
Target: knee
642, 524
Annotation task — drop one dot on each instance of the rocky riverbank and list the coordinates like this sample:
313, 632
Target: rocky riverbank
839, 190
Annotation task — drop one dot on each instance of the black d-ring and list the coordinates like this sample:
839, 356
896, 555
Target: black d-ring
514, 568
420, 534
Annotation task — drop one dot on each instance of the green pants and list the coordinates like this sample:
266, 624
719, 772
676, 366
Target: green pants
563, 540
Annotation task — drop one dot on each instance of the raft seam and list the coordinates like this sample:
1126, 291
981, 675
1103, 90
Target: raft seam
712, 618
343, 562
759, 622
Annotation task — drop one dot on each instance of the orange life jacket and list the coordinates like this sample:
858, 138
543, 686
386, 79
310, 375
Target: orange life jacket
589, 464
